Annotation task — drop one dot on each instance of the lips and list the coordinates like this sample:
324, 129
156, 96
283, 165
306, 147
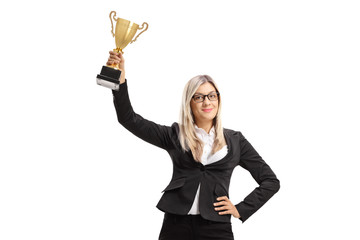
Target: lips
207, 110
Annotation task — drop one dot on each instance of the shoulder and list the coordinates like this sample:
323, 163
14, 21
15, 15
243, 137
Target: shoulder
175, 129
233, 133
175, 126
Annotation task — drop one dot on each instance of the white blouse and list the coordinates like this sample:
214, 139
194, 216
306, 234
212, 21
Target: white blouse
206, 158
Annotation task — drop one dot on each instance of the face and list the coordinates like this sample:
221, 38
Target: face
204, 111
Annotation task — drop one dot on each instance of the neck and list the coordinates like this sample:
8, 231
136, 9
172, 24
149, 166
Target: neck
205, 125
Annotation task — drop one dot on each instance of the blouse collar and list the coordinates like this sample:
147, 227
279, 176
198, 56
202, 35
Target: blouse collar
203, 132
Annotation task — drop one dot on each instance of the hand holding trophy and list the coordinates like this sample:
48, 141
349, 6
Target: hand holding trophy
124, 34
117, 59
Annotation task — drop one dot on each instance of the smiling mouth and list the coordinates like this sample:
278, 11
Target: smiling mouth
207, 110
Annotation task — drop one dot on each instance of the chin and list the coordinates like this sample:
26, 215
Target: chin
208, 119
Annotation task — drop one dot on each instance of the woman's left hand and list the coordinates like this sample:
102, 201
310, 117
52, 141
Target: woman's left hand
226, 205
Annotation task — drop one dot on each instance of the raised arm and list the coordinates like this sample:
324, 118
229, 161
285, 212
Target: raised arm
149, 131
263, 175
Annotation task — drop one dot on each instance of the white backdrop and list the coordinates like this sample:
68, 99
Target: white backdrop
288, 72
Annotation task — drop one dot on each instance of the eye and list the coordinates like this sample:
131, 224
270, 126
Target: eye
198, 97
213, 96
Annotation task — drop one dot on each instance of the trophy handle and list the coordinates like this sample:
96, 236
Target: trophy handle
142, 26
112, 25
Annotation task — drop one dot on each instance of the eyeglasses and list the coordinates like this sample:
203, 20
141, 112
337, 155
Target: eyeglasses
213, 96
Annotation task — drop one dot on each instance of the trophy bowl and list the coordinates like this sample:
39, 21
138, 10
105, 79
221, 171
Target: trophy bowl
125, 31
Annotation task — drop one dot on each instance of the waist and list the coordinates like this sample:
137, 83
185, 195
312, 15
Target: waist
198, 219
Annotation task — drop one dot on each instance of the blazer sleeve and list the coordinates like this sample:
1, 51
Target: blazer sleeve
149, 131
263, 175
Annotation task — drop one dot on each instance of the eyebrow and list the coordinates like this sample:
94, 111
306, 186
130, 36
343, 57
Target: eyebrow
204, 93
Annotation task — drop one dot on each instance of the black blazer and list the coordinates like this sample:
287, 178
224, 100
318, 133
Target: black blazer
178, 196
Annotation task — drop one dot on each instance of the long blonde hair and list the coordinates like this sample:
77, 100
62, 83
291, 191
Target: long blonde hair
188, 138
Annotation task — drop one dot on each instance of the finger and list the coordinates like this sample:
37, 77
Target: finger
114, 57
114, 60
222, 198
222, 208
225, 212
221, 203
219, 208
112, 63
115, 53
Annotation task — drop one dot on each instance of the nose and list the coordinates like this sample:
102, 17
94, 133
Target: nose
206, 100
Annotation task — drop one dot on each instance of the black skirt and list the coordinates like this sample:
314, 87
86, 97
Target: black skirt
194, 227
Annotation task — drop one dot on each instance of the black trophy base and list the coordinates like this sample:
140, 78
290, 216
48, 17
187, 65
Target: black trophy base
109, 77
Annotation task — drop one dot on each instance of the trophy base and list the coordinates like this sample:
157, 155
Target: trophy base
109, 78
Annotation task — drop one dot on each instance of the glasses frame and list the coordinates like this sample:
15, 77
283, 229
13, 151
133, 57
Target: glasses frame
204, 96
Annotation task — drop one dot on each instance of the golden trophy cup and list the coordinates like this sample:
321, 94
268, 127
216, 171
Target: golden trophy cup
124, 34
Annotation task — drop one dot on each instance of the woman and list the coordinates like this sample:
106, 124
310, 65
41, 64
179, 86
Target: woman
196, 201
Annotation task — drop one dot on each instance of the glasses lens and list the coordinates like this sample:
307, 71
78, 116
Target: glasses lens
198, 98
213, 96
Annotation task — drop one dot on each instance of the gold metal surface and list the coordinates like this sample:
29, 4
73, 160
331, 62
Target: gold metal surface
124, 31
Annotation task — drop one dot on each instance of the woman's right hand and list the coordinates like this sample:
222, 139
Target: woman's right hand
117, 59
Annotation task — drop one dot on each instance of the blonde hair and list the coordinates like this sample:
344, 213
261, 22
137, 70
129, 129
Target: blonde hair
187, 136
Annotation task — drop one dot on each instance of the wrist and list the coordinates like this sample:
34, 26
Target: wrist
122, 77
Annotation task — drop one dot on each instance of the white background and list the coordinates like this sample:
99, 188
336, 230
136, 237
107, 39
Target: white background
288, 72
